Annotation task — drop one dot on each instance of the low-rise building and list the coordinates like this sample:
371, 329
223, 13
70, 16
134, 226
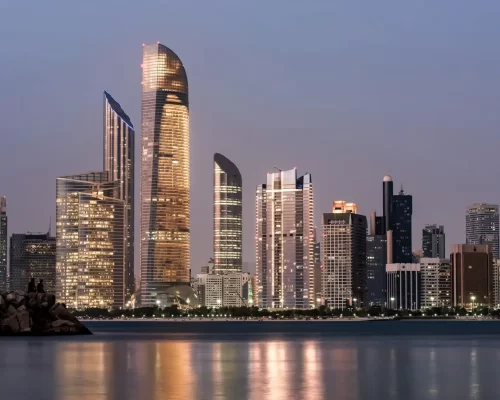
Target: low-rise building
403, 286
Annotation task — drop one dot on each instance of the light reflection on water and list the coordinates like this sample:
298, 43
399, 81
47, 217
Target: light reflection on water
135, 368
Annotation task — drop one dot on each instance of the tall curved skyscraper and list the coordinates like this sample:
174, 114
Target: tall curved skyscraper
119, 162
165, 236
227, 216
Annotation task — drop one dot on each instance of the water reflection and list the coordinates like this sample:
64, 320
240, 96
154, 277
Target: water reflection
256, 370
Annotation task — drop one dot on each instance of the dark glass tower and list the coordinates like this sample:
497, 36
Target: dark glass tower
433, 241
387, 190
228, 213
3, 243
119, 162
402, 209
165, 184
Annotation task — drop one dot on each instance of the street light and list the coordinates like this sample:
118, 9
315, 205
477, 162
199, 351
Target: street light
432, 301
392, 300
473, 298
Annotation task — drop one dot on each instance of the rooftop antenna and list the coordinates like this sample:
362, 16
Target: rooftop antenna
278, 169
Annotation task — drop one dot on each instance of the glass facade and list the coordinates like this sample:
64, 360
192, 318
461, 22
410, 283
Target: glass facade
32, 256
376, 259
402, 210
228, 213
3, 244
433, 241
165, 184
482, 226
285, 241
119, 162
90, 227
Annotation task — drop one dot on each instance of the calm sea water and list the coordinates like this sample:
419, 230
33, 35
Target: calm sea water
258, 360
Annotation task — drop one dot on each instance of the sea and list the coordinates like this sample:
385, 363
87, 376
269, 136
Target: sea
351, 360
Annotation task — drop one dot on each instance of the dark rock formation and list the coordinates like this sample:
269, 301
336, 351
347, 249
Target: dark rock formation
36, 314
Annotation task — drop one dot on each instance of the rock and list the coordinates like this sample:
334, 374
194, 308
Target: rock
61, 322
11, 310
11, 324
21, 309
40, 298
50, 299
3, 304
21, 293
23, 319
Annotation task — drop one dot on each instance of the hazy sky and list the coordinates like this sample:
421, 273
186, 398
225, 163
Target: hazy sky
348, 91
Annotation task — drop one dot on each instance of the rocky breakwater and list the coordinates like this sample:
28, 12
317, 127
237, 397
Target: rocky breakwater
36, 314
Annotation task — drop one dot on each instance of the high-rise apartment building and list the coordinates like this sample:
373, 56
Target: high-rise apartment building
433, 241
165, 183
435, 289
343, 246
403, 286
285, 241
32, 255
228, 216
472, 275
376, 259
119, 162
402, 210
482, 226
3, 244
90, 256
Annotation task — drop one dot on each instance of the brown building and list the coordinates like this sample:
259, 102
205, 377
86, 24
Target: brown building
472, 275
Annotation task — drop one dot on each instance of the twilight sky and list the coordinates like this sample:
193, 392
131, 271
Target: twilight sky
348, 91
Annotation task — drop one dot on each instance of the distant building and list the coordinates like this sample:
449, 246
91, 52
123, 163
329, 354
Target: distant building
496, 283
3, 244
387, 195
119, 161
228, 216
224, 290
417, 255
482, 226
472, 275
209, 268
343, 259
317, 272
433, 241
403, 286
402, 208
376, 259
284, 241
32, 255
435, 282
90, 229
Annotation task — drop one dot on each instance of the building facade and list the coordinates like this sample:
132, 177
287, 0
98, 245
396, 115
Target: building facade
32, 255
3, 244
482, 226
402, 210
433, 242
285, 241
343, 258
376, 259
472, 275
90, 227
119, 162
403, 286
435, 289
228, 216
224, 290
165, 180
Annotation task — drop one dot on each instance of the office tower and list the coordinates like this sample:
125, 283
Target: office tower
228, 214
376, 259
90, 256
284, 241
341, 206
317, 272
343, 246
119, 162
496, 283
376, 224
482, 225
435, 289
32, 255
402, 209
387, 194
472, 275
3, 244
433, 241
403, 286
165, 237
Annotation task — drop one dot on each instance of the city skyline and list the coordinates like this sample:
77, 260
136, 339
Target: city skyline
120, 73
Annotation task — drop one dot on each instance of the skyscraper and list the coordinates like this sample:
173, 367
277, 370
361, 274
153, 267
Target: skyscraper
3, 243
32, 255
402, 210
435, 288
284, 241
343, 246
119, 162
433, 241
472, 275
228, 213
387, 194
165, 235
482, 225
90, 226
376, 259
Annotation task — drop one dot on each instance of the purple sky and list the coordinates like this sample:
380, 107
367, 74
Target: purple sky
348, 91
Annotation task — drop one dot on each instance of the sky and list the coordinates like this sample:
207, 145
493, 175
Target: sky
347, 91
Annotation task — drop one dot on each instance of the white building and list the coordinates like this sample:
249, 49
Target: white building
403, 286
223, 290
